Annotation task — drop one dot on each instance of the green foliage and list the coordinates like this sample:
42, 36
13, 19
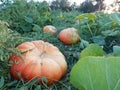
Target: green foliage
116, 50
88, 25
26, 21
63, 19
96, 73
1, 82
92, 50
99, 28
22, 15
8, 41
83, 44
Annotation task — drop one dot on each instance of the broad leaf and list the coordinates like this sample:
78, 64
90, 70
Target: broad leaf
26, 28
99, 40
1, 82
116, 50
92, 50
110, 33
116, 18
91, 16
83, 43
80, 17
38, 87
36, 27
96, 73
29, 19
23, 88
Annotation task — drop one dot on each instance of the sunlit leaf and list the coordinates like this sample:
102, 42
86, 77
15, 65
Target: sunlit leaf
92, 50
80, 17
116, 18
96, 73
91, 16
44, 79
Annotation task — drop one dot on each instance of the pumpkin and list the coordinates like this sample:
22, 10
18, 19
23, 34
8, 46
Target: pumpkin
49, 29
69, 36
38, 59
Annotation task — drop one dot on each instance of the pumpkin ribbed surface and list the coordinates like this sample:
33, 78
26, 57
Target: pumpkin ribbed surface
69, 36
38, 59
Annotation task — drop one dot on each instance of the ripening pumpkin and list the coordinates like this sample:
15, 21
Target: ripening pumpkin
38, 59
49, 29
69, 36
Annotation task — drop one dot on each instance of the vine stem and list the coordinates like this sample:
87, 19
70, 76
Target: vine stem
89, 29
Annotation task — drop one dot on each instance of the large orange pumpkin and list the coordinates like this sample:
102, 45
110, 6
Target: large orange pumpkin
69, 36
49, 29
38, 59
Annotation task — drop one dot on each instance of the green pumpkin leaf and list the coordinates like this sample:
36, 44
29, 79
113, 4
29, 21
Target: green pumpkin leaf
83, 43
23, 88
26, 28
116, 50
91, 16
92, 50
1, 82
44, 79
29, 19
80, 17
115, 17
99, 40
12, 83
38, 87
110, 33
96, 73
36, 27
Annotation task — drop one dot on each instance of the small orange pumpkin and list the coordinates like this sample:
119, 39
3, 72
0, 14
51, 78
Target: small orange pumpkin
69, 36
38, 59
49, 29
